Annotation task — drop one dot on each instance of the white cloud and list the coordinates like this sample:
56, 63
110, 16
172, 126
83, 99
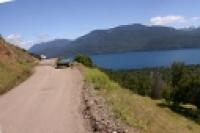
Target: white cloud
5, 1
14, 38
18, 40
164, 20
195, 18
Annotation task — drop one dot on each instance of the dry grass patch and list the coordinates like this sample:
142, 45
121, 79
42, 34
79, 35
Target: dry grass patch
14, 67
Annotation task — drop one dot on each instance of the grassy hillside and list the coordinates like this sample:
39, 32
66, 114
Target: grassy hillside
15, 65
137, 111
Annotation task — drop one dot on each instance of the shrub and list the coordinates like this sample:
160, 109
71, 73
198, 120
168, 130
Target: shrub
84, 59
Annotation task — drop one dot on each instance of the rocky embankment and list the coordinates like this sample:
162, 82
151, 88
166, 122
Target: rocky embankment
99, 114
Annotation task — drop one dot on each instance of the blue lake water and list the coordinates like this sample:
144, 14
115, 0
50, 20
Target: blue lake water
134, 60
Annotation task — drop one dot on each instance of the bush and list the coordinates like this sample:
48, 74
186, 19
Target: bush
84, 59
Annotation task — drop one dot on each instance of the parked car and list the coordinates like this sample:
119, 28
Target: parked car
63, 63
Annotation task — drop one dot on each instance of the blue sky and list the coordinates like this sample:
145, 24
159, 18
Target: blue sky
30, 21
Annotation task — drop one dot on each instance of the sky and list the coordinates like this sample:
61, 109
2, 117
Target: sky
26, 22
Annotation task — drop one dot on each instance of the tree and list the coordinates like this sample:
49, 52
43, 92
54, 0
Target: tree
186, 85
157, 86
84, 59
177, 72
197, 99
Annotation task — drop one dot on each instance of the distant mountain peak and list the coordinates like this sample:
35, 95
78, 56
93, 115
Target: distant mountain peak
129, 27
51, 48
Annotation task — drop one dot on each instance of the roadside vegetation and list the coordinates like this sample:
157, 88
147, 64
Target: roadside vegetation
15, 65
148, 110
84, 59
178, 86
138, 111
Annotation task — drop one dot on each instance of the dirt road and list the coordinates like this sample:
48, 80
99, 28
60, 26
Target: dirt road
48, 102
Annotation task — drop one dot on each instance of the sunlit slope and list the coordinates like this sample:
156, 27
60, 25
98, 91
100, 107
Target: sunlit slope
139, 112
15, 65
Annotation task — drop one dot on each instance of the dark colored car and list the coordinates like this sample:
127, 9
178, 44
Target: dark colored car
63, 62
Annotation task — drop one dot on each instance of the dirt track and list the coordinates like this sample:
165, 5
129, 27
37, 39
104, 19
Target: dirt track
48, 102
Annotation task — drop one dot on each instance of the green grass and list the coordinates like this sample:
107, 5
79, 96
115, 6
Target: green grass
99, 79
14, 68
136, 111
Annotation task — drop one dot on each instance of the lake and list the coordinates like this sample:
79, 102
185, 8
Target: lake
133, 60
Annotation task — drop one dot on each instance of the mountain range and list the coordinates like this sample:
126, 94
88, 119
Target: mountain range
51, 48
126, 38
